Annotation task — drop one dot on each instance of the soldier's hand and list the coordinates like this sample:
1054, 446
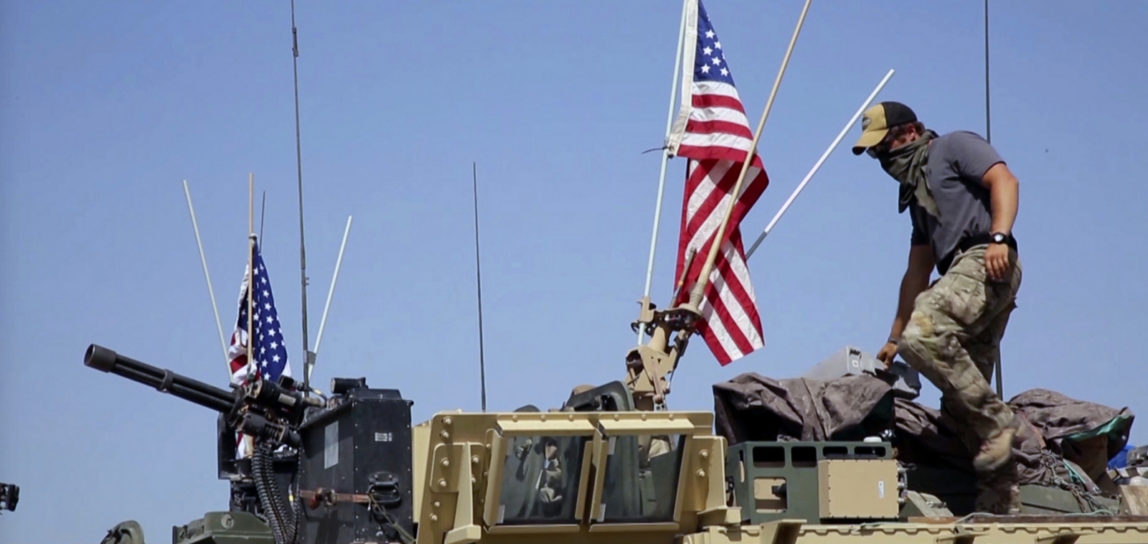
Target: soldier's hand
996, 262
887, 353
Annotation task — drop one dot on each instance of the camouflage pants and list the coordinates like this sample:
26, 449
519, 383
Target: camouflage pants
953, 339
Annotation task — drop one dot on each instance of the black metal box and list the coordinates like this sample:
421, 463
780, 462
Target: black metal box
360, 448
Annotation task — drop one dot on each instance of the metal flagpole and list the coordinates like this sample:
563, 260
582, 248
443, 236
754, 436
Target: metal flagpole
203, 259
250, 262
703, 279
817, 166
665, 159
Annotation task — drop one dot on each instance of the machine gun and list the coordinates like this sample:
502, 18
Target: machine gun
335, 469
268, 412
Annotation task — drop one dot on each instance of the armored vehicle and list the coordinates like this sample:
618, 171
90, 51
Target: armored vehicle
842, 455
349, 467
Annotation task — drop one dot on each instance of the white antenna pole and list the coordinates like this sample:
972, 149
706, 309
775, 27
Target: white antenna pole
665, 159
817, 166
330, 293
203, 259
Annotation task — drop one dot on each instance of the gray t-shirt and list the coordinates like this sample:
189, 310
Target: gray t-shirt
957, 164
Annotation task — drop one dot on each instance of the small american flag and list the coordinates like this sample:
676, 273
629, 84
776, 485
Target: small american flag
268, 351
712, 131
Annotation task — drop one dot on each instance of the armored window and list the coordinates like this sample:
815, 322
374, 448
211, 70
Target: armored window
540, 480
641, 478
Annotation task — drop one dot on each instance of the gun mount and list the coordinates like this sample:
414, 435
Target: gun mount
265, 413
304, 475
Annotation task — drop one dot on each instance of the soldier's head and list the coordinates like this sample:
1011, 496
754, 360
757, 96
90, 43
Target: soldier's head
550, 448
886, 127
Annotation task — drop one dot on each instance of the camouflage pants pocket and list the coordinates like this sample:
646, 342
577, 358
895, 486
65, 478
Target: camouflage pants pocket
963, 298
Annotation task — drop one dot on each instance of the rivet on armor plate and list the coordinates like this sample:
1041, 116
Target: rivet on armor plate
442, 482
447, 421
705, 454
445, 462
437, 504
445, 435
701, 473
474, 459
434, 517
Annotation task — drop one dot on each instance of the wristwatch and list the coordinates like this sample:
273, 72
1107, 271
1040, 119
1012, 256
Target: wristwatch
999, 237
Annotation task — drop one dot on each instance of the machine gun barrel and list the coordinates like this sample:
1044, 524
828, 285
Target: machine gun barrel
164, 380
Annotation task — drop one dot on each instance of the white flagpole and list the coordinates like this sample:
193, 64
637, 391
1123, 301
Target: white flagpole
203, 259
330, 293
665, 159
817, 166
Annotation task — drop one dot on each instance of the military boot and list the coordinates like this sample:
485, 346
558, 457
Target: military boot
999, 490
1003, 498
996, 450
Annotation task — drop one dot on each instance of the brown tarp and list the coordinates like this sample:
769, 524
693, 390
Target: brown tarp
754, 407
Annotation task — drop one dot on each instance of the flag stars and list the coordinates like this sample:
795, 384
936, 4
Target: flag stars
710, 34
717, 45
265, 338
717, 61
705, 68
708, 51
724, 72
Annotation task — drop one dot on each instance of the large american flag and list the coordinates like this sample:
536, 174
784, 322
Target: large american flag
712, 131
268, 351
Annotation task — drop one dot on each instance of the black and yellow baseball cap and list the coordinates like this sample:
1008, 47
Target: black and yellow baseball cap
876, 120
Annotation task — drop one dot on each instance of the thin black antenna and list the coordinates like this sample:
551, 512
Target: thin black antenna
478, 275
307, 356
988, 121
989, 138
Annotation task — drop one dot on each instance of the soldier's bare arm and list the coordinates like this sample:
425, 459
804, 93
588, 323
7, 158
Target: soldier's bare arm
915, 280
1004, 192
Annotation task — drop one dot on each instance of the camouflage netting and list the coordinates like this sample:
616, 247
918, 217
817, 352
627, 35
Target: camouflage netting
1054, 428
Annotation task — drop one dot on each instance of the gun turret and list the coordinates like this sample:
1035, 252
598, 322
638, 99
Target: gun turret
164, 380
267, 412
260, 408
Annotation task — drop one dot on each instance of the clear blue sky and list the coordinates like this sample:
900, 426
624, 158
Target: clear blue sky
107, 107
